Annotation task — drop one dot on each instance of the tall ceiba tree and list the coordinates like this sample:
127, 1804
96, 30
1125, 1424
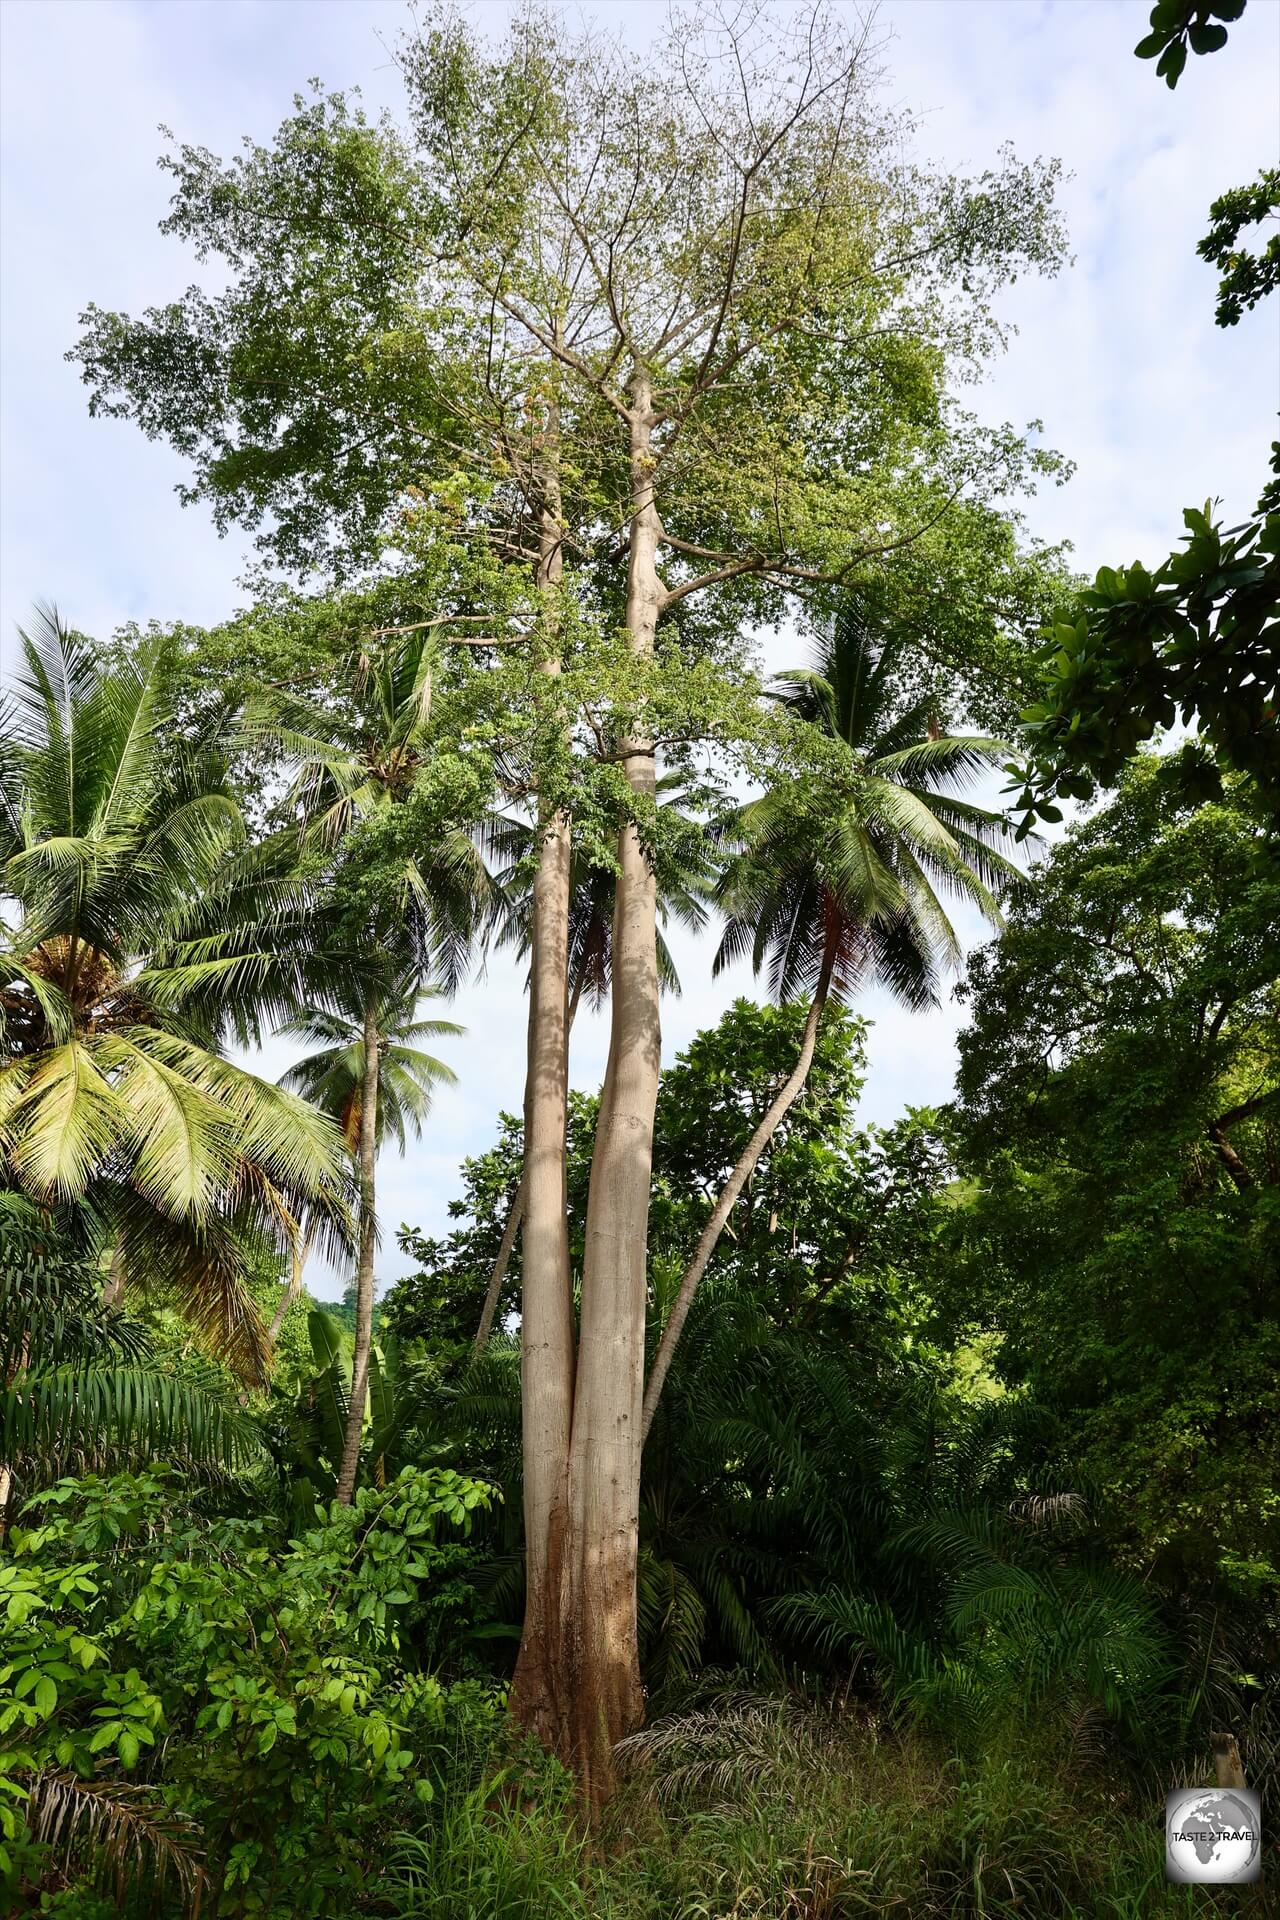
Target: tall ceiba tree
680, 333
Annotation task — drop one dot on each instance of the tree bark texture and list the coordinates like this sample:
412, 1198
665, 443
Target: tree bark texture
368, 1150
546, 1325
599, 1656
506, 1246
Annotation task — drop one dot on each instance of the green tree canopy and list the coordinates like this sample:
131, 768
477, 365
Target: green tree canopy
1119, 1107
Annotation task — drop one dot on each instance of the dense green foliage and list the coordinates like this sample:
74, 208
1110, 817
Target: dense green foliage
958, 1517
1196, 639
1246, 277
271, 1690
1120, 1104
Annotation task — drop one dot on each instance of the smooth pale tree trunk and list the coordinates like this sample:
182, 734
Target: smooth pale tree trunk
599, 1655
783, 1101
546, 1319
364, 1270
506, 1246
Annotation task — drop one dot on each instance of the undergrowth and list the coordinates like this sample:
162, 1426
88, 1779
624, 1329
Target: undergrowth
764, 1809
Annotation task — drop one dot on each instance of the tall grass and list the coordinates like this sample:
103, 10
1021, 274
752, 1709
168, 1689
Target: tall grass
505, 1848
753, 1808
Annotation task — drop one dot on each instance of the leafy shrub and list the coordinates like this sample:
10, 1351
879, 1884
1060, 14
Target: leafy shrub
252, 1712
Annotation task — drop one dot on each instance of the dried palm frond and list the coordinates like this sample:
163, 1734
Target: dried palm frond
1066, 1510
122, 1834
736, 1742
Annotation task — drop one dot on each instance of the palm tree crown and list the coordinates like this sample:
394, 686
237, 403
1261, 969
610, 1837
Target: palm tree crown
834, 881
113, 1097
844, 875
332, 1078
372, 752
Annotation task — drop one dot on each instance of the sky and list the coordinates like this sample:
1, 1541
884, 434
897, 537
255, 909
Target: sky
1118, 356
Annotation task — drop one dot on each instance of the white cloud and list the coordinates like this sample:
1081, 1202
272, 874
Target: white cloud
1119, 356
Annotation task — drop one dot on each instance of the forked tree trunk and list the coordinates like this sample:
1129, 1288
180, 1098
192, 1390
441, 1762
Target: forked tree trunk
599, 1656
546, 1323
364, 1270
783, 1101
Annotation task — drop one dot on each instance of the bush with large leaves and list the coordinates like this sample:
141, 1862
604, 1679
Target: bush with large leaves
205, 1701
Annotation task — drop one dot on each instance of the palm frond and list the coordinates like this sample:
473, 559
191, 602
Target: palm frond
123, 1834
122, 1412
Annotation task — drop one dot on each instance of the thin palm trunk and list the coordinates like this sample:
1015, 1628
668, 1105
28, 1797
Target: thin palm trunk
364, 1270
599, 1656
783, 1101
506, 1247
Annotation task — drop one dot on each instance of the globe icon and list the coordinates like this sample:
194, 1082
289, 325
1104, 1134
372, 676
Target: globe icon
1213, 1835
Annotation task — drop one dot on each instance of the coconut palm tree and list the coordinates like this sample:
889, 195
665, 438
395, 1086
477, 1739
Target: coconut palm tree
112, 1098
360, 756
400, 1079
332, 1078
834, 882
408, 891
